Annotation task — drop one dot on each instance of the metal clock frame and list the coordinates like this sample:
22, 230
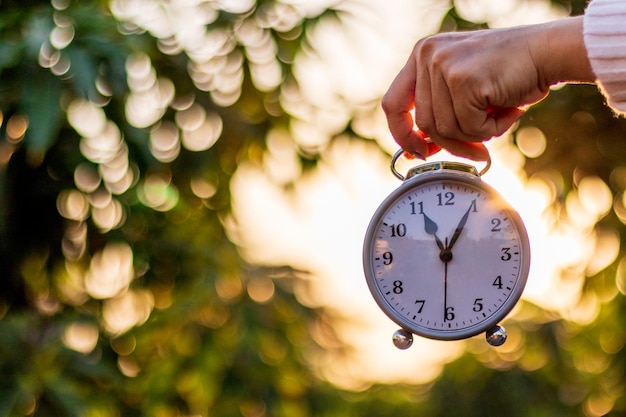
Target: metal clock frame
437, 172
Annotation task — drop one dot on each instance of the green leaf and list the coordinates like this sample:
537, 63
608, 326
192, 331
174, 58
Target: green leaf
8, 400
40, 103
10, 54
84, 70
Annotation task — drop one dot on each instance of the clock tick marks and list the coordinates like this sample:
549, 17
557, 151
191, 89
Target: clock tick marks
388, 260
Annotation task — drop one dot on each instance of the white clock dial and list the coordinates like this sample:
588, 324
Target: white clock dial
445, 257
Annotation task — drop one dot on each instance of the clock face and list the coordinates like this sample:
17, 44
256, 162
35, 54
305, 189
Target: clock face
445, 257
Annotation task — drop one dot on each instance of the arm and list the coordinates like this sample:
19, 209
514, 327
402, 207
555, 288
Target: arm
465, 88
605, 38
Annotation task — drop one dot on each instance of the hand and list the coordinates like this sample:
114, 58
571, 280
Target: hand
466, 88
445, 287
445, 254
459, 228
431, 228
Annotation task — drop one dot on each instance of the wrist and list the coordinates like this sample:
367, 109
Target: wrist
559, 52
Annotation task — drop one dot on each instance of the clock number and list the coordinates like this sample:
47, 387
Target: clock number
397, 287
506, 255
421, 208
449, 314
478, 305
421, 303
498, 282
387, 258
496, 225
398, 230
446, 199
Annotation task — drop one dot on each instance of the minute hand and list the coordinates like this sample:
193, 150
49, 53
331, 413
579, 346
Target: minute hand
459, 228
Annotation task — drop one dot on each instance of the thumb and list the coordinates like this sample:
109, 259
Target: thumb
475, 151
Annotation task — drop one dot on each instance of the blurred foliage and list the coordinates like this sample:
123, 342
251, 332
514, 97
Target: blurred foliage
196, 330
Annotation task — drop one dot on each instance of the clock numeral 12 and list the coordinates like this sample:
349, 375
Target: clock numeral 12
446, 199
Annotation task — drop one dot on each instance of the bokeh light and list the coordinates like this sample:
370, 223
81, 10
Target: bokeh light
16, 128
150, 96
531, 141
165, 141
337, 81
126, 310
313, 221
110, 271
81, 337
157, 192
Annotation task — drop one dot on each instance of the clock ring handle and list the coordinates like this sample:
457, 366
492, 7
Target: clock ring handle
434, 166
394, 159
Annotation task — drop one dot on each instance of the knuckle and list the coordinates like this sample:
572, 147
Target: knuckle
446, 130
422, 46
425, 125
387, 103
426, 48
459, 78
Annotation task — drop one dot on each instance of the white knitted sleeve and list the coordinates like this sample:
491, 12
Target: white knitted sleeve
605, 40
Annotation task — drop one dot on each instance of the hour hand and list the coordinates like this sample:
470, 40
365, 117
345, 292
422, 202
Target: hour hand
431, 228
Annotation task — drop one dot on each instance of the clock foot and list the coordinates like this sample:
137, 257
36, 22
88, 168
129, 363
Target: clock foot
402, 339
496, 336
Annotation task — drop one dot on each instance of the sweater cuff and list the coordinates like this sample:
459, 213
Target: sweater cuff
605, 39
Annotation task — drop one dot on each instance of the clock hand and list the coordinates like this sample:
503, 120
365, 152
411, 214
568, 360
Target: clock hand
459, 228
431, 228
445, 281
446, 256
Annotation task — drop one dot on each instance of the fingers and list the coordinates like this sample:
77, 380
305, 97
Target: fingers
448, 91
444, 91
401, 127
436, 113
433, 148
449, 108
447, 116
397, 104
470, 150
500, 121
504, 118
475, 151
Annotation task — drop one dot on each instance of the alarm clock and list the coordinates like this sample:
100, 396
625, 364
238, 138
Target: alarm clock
445, 256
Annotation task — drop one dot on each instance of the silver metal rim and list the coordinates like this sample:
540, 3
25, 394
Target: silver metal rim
370, 277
